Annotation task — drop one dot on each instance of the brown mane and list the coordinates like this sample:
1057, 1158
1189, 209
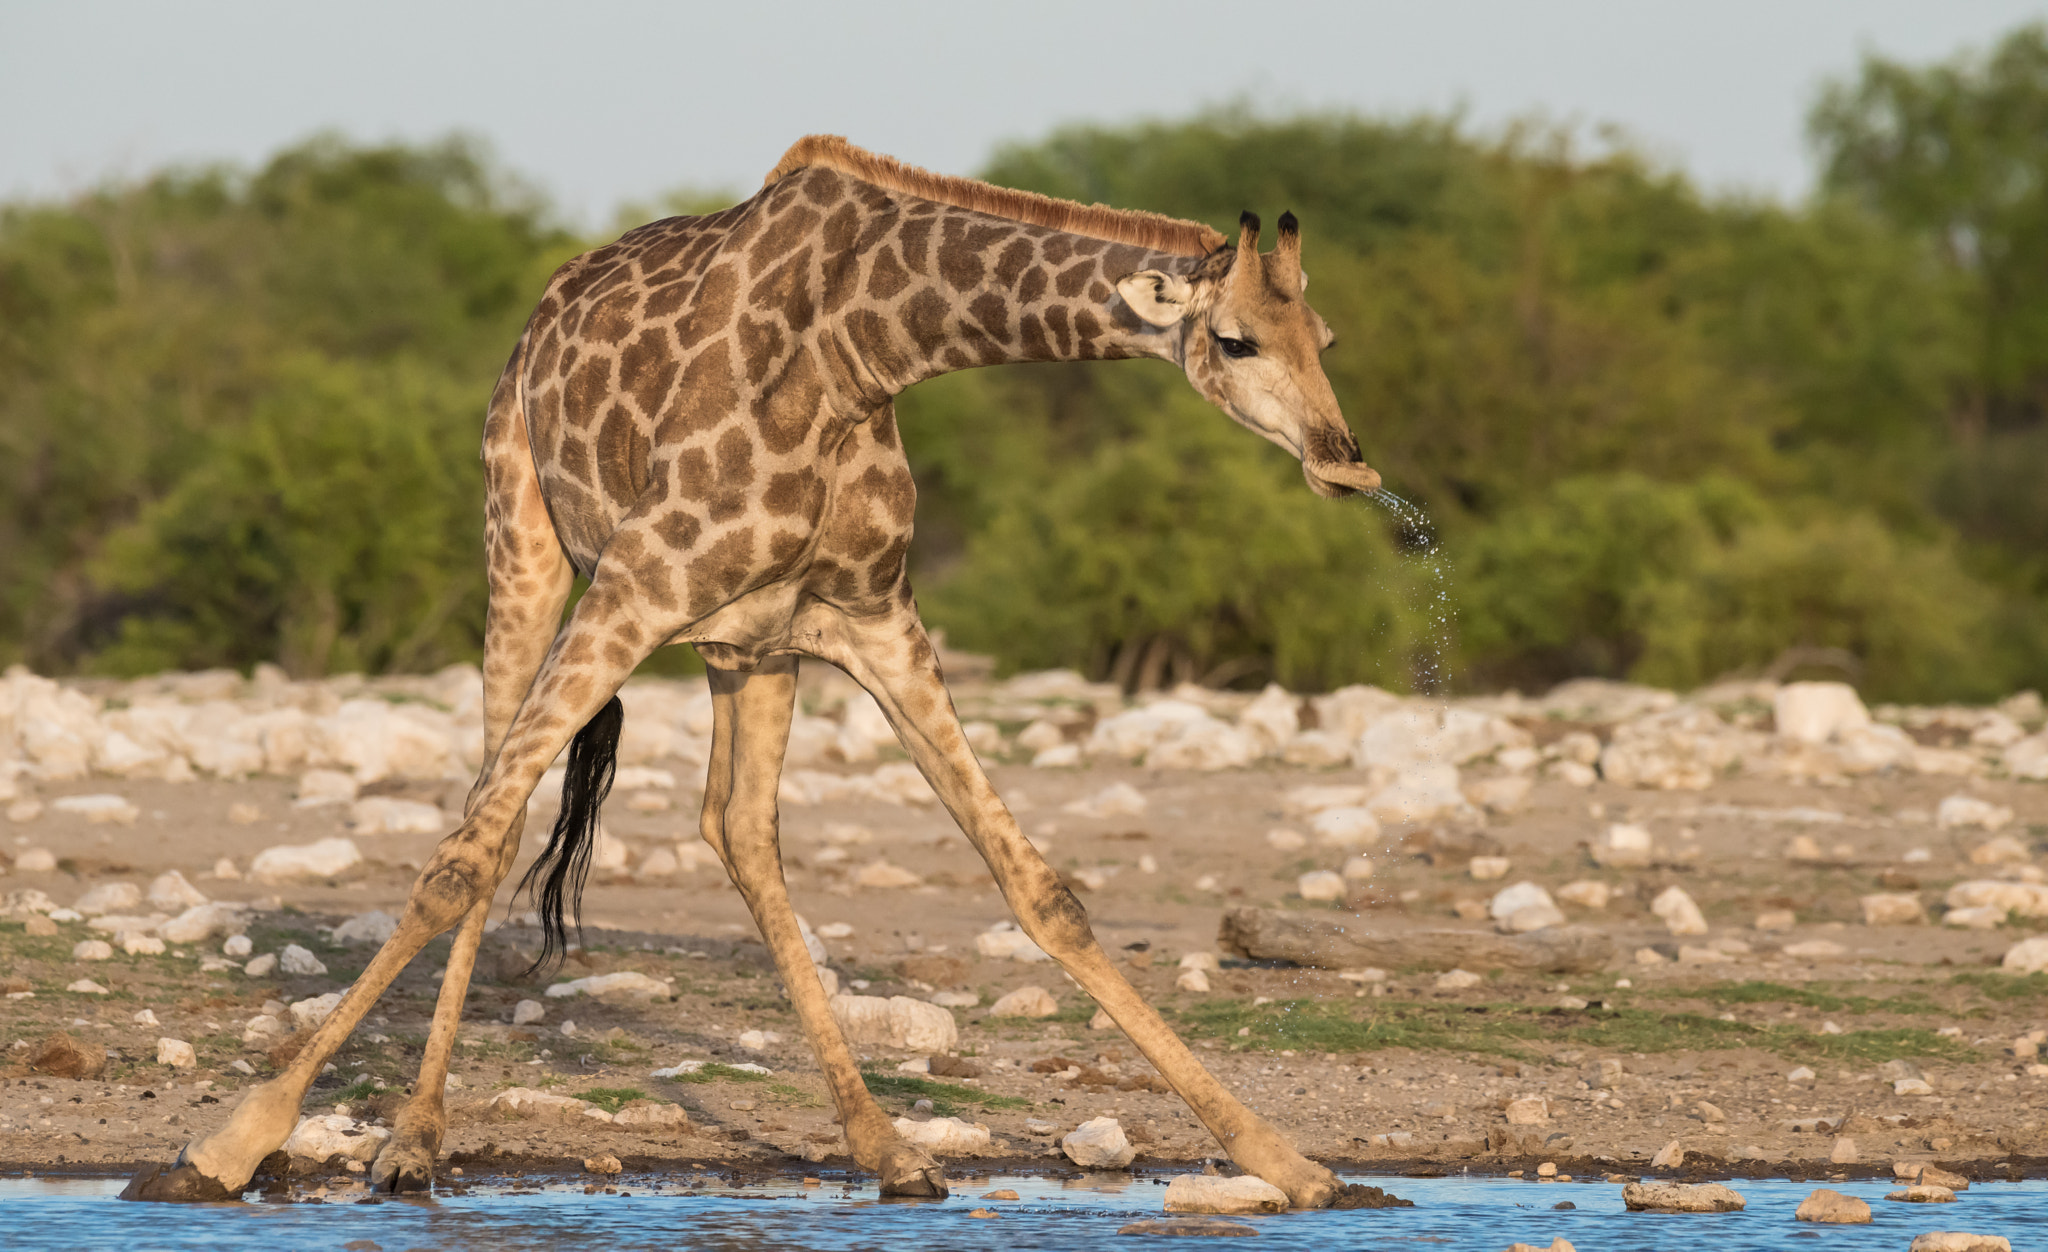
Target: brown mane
1132, 226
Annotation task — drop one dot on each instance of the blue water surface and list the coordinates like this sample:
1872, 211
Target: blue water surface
1454, 1214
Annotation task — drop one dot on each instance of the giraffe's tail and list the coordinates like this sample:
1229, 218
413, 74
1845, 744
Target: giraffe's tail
555, 881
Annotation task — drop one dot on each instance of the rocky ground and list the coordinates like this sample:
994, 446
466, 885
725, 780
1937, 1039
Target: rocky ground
1813, 923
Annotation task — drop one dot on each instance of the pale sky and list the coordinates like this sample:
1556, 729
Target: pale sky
604, 101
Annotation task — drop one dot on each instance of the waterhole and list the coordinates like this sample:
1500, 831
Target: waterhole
666, 1212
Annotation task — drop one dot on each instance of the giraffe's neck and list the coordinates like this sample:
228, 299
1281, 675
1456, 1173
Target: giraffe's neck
984, 291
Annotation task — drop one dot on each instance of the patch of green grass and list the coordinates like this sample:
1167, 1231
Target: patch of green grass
360, 1090
719, 1073
947, 1098
611, 1099
1778, 993
2005, 986
786, 1091
1514, 1030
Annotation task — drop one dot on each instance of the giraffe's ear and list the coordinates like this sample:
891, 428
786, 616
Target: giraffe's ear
1158, 297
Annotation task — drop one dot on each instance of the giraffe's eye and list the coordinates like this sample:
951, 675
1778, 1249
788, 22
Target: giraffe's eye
1237, 349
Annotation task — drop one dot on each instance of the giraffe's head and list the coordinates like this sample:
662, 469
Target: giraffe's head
1253, 347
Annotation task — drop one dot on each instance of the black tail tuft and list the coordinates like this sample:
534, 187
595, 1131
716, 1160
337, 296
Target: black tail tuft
557, 877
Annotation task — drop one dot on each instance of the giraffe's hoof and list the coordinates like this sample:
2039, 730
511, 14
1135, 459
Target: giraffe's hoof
398, 1169
176, 1184
909, 1173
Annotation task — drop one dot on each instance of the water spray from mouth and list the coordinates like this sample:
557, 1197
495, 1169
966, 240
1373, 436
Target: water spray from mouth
1415, 538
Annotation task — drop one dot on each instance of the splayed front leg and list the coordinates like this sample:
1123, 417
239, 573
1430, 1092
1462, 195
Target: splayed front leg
406, 1162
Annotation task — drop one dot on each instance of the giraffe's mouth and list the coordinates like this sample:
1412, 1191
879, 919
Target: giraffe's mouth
1333, 479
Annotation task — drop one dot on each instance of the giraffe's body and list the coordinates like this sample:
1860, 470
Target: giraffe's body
698, 418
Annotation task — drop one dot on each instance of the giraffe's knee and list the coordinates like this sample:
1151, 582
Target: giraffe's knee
445, 892
1055, 919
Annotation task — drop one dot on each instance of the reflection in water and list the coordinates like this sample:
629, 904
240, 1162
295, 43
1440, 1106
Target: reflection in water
1452, 1214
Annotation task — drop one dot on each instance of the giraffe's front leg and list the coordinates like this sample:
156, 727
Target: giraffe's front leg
750, 732
406, 1162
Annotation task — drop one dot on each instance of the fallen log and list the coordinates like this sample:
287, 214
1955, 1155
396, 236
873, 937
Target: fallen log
1353, 943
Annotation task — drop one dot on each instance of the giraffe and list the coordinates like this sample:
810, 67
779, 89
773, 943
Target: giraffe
699, 419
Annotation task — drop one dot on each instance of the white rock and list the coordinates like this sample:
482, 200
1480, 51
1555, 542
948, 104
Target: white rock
1004, 942
835, 930
175, 1053
626, 984
1099, 1144
1912, 1087
224, 869
1425, 792
324, 1138
1892, 909
1457, 980
261, 966
944, 1136
1286, 840
1115, 800
86, 986
2028, 956
2024, 898
324, 786
1625, 846
109, 897
1815, 950
649, 1115
1358, 869
141, 945
881, 874
1504, 795
1508, 900
1488, 868
526, 1103
1586, 893
35, 861
1678, 1197
895, 1022
1959, 1241
954, 999
1059, 756
527, 1012
1194, 980
299, 963
1310, 800
1982, 918
758, 1040
1814, 712
1272, 720
1528, 1111
237, 946
2001, 850
374, 926
1680, 915
92, 950
1039, 736
169, 891
1533, 915
1025, 1002
2028, 758
1346, 827
1320, 885
1203, 1193
309, 1013
1959, 812
145, 1017
98, 808
323, 858
388, 815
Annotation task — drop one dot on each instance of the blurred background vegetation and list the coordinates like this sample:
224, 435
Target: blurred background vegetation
1657, 434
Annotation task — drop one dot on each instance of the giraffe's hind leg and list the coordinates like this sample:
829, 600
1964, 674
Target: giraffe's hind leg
530, 578
890, 655
604, 640
750, 733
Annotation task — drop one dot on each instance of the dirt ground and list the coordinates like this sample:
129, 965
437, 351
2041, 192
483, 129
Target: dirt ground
1395, 1073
